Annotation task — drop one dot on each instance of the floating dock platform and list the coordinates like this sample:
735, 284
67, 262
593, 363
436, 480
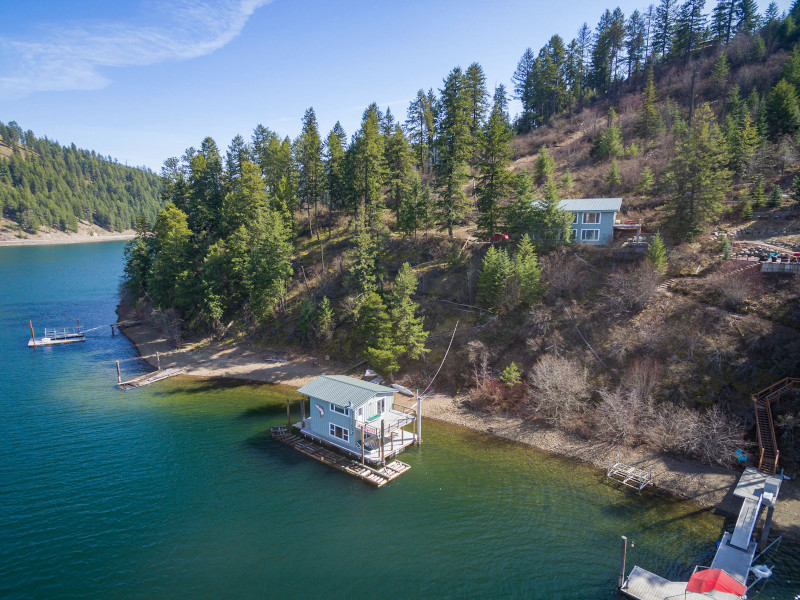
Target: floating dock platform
376, 477
149, 378
736, 551
56, 337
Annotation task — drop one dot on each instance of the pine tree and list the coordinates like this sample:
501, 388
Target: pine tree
722, 21
746, 16
420, 127
649, 123
324, 320
477, 99
609, 143
544, 167
494, 273
646, 182
408, 333
269, 263
245, 197
365, 269
757, 191
335, 166
775, 197
494, 178
527, 272
791, 69
690, 28
664, 26
368, 165
657, 255
399, 166
719, 75
373, 326
782, 112
511, 375
206, 192
520, 215
635, 43
171, 247
454, 149
551, 225
698, 179
613, 178
744, 144
523, 80
796, 190
746, 210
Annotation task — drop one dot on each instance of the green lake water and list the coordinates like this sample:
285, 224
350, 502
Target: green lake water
177, 490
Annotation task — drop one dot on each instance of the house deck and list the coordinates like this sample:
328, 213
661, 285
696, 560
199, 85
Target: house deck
376, 477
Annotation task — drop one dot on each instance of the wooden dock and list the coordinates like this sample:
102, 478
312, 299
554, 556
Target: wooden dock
376, 477
148, 378
632, 477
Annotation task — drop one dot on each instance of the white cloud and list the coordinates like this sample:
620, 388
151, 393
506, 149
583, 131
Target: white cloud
75, 57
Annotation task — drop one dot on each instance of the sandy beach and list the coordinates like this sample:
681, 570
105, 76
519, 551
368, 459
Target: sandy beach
709, 486
87, 232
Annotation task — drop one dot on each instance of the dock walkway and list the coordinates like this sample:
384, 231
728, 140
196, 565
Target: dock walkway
376, 477
149, 378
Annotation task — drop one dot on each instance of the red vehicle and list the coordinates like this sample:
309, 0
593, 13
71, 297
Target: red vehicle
498, 237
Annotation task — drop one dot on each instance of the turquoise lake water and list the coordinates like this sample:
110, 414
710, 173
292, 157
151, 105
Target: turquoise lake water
177, 490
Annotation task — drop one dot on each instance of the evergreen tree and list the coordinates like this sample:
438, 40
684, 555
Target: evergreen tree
613, 177
757, 191
205, 190
698, 179
552, 226
746, 15
657, 255
335, 166
399, 166
494, 178
245, 197
369, 166
520, 214
311, 171
609, 143
511, 375
775, 197
171, 247
635, 43
544, 167
646, 182
269, 263
523, 80
746, 210
690, 28
791, 69
663, 26
782, 112
744, 144
719, 75
477, 100
138, 258
722, 21
527, 272
649, 123
796, 190
420, 127
373, 326
324, 320
415, 208
408, 333
454, 149
365, 269
494, 273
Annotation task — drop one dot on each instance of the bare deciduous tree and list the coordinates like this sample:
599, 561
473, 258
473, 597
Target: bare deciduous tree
629, 291
559, 390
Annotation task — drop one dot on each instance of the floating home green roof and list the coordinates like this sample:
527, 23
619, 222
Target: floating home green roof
342, 390
591, 204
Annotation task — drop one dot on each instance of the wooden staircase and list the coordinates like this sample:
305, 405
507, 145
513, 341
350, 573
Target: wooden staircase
768, 452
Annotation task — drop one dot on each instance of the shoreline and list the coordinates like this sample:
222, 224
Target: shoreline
708, 486
77, 239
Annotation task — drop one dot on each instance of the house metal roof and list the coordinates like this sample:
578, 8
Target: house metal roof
342, 390
591, 204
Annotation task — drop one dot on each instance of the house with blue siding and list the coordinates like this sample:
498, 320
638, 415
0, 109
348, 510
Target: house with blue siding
356, 417
594, 218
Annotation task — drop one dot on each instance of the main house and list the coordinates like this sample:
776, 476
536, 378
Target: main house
594, 218
357, 417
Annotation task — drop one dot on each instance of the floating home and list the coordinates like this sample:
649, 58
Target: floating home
356, 417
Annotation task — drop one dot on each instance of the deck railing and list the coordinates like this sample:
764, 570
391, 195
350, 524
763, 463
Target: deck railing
767, 443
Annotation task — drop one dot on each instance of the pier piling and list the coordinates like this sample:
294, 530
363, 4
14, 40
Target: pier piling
119, 376
419, 417
622, 561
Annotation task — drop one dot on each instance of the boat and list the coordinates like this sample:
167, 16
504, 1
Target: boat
55, 336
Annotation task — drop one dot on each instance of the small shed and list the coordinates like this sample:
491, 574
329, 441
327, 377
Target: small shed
357, 417
594, 218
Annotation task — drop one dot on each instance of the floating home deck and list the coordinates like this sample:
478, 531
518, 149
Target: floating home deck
376, 477
736, 551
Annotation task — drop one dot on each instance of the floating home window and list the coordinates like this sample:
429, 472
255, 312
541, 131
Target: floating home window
339, 409
339, 432
590, 235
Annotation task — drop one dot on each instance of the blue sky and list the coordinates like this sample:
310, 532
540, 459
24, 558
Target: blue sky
142, 80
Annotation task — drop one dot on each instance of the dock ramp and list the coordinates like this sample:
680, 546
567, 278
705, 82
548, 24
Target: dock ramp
746, 523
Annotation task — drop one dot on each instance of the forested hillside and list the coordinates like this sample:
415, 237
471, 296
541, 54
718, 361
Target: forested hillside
45, 184
375, 246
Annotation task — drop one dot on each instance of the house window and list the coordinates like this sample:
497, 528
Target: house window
339, 432
573, 234
339, 409
575, 219
381, 405
591, 218
590, 235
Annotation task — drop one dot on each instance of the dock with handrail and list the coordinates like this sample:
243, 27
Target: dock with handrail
148, 378
376, 477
